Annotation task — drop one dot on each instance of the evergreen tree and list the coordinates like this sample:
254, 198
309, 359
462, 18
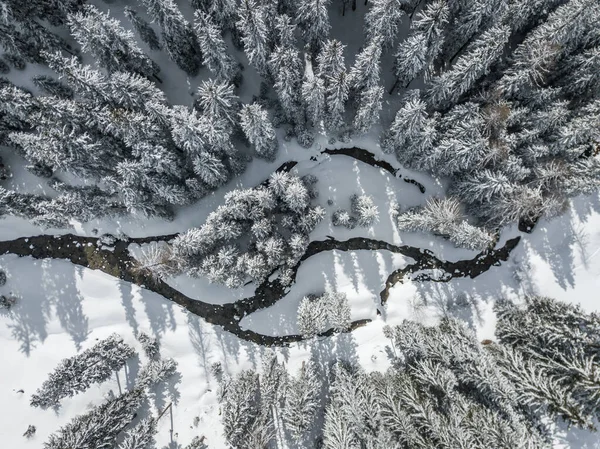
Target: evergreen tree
366, 70
383, 20
178, 35
143, 28
52, 87
420, 49
286, 68
313, 18
113, 47
469, 68
140, 436
214, 49
253, 28
78, 373
313, 93
368, 111
302, 401
257, 127
217, 100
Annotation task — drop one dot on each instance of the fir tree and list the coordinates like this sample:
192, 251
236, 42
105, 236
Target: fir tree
178, 35
257, 127
313, 94
217, 100
113, 47
313, 19
143, 29
253, 28
78, 373
214, 49
368, 111
383, 20
365, 72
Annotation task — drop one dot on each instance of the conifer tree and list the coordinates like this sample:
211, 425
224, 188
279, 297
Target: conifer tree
215, 54
469, 68
368, 111
383, 20
302, 401
217, 100
366, 70
313, 18
178, 35
143, 29
420, 49
112, 46
286, 68
257, 127
313, 93
253, 28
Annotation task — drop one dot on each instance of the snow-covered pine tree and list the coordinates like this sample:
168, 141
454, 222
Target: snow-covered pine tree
215, 53
383, 20
313, 18
143, 28
444, 217
302, 401
366, 71
252, 26
51, 86
561, 340
412, 134
178, 35
141, 436
416, 54
257, 127
476, 62
217, 100
113, 47
313, 93
286, 68
99, 427
368, 110
76, 374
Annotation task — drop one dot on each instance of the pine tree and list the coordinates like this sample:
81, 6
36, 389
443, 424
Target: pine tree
52, 87
113, 47
217, 100
368, 111
313, 18
214, 49
99, 427
313, 94
78, 373
253, 28
141, 436
143, 28
286, 68
420, 49
257, 127
178, 35
412, 134
469, 68
383, 20
302, 401
366, 70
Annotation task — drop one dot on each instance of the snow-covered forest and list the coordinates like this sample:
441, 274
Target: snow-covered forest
273, 224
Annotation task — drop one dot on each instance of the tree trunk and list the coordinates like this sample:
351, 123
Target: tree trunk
353, 5
394, 86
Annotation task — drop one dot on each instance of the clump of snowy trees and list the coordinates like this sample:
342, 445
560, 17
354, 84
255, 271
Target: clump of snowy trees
114, 423
363, 212
444, 388
508, 110
76, 374
444, 217
252, 404
254, 232
319, 313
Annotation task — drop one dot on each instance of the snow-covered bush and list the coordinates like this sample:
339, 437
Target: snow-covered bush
444, 217
150, 345
363, 213
2, 277
7, 302
76, 374
254, 232
365, 210
317, 314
